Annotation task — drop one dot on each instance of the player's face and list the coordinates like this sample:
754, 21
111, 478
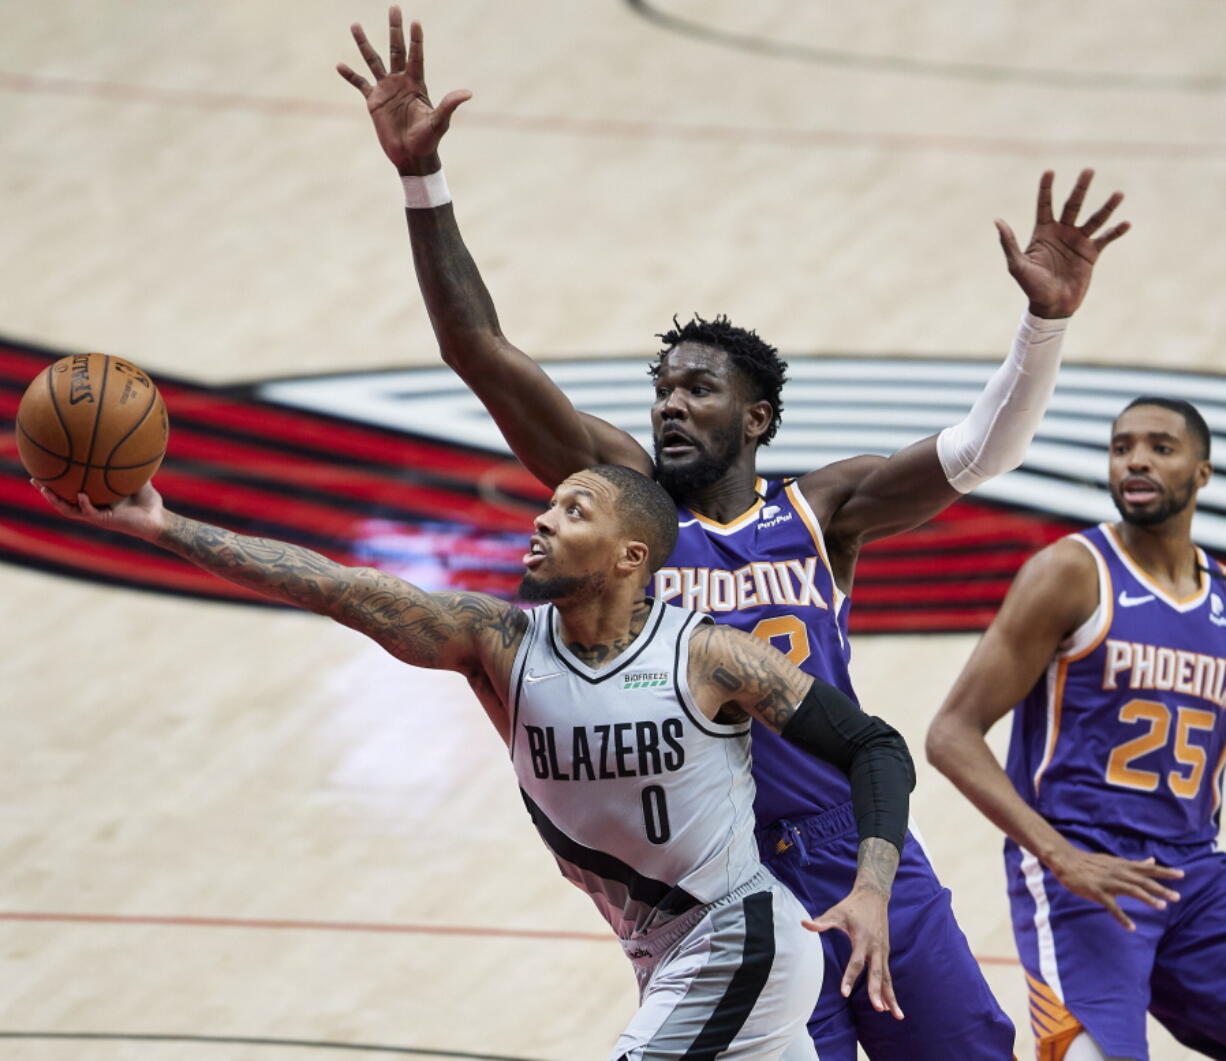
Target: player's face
576, 539
696, 419
1155, 465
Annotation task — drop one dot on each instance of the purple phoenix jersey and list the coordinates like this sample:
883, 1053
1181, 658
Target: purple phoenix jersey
767, 573
1126, 729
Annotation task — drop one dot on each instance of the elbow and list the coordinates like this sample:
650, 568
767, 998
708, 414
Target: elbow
940, 744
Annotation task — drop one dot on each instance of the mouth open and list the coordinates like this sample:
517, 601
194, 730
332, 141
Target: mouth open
536, 554
1138, 491
675, 443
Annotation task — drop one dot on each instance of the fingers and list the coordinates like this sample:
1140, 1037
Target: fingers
356, 80
1099, 218
1043, 214
1072, 205
855, 966
55, 501
395, 35
882, 996
368, 52
1113, 235
1114, 909
1008, 243
417, 52
448, 105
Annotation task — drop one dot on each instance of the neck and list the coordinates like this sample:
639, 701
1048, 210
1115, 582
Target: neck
600, 630
1165, 549
727, 498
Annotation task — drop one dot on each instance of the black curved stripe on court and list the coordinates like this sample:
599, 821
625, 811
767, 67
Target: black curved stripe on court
1194, 84
239, 1040
269, 469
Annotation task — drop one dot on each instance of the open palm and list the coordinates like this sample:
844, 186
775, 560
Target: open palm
1055, 268
408, 125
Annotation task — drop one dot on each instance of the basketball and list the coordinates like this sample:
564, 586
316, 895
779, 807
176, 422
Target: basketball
92, 423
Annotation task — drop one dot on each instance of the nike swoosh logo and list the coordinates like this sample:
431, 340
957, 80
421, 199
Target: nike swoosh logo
530, 677
1131, 602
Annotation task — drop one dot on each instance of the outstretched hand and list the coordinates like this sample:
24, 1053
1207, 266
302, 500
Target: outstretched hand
1054, 270
140, 515
1100, 878
862, 918
408, 125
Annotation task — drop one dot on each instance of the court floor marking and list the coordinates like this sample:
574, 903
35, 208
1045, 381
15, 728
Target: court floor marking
614, 128
183, 921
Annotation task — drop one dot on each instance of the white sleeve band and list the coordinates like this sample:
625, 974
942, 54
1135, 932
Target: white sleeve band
425, 193
997, 431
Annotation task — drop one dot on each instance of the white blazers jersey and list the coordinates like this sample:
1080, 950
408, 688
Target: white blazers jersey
646, 804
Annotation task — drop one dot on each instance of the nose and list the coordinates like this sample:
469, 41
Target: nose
672, 407
541, 524
1137, 459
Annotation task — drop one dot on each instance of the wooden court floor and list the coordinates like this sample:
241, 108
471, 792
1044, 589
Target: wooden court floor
229, 832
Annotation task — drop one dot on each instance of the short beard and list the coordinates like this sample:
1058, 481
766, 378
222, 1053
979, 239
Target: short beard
704, 469
1172, 505
560, 587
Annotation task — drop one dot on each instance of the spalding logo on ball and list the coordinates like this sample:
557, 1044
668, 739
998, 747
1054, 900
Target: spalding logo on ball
92, 423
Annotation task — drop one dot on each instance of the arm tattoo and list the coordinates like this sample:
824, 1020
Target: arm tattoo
876, 864
750, 676
413, 625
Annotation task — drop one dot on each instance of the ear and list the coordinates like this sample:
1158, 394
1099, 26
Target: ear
757, 421
633, 559
1204, 472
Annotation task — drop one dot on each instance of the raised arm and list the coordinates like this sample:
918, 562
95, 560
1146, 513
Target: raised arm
544, 430
734, 674
868, 498
467, 632
1054, 594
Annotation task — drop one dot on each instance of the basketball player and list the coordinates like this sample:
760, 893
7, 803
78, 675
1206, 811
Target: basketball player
1110, 649
774, 558
628, 726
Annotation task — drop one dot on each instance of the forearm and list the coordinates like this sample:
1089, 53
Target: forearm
876, 864
993, 437
962, 754
874, 756
284, 572
457, 300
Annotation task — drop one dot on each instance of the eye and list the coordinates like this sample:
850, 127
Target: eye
574, 510
1163, 449
661, 393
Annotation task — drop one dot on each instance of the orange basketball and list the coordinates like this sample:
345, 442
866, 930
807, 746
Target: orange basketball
92, 423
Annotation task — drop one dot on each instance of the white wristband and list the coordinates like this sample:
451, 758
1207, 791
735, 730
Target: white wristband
425, 193
997, 431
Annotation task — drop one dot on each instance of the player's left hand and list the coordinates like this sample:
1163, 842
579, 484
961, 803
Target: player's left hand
862, 917
1054, 270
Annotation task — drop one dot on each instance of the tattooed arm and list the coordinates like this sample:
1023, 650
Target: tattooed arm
733, 675
467, 632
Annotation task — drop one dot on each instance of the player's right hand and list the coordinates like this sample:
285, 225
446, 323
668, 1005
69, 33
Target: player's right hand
140, 515
408, 125
1101, 878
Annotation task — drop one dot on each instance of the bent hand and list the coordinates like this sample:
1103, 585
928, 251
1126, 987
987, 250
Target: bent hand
140, 515
1055, 268
408, 125
1101, 878
862, 918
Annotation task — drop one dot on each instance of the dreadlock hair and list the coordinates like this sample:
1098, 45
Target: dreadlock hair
1192, 418
758, 363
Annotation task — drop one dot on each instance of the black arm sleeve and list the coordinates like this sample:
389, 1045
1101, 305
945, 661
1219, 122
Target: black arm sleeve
873, 755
